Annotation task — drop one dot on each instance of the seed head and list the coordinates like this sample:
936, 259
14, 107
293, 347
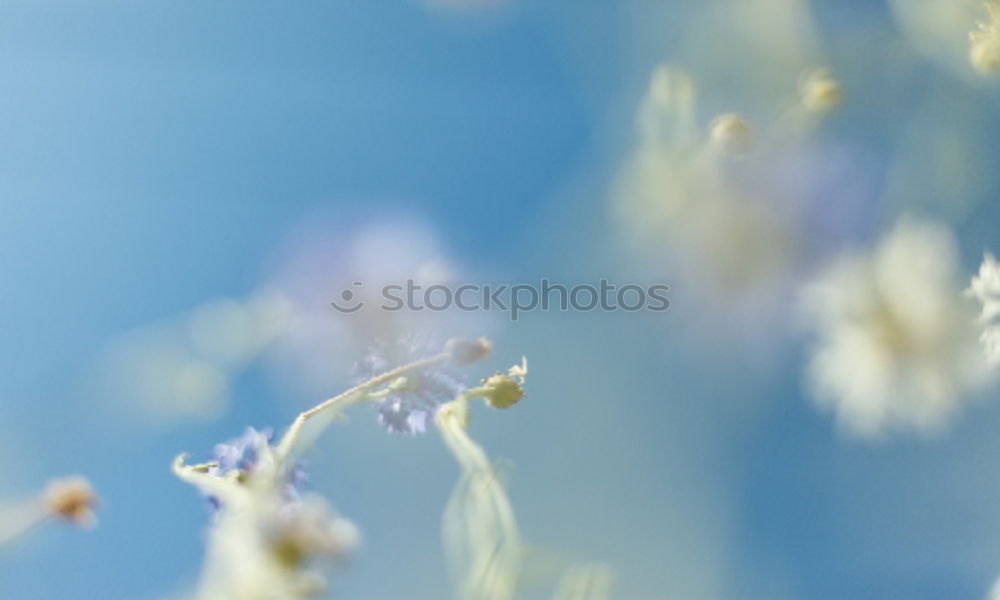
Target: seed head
71, 498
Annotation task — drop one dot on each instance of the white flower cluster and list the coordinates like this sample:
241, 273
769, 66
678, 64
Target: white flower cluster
896, 345
262, 546
711, 195
985, 287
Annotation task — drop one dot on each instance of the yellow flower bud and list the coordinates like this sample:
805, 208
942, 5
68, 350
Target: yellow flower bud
503, 392
820, 92
731, 134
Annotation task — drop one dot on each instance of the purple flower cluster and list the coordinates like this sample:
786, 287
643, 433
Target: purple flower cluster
410, 408
241, 456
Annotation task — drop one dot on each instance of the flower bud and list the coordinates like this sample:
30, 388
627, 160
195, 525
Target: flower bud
503, 392
731, 134
465, 352
820, 92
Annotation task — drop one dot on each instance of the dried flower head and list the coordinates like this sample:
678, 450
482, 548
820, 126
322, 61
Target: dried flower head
984, 42
71, 498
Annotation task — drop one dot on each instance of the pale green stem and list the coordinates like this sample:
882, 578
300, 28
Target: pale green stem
18, 520
351, 396
492, 574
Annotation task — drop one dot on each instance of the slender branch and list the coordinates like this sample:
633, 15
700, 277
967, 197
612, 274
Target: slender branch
486, 524
17, 521
351, 396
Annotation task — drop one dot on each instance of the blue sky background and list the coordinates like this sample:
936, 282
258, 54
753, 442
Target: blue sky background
154, 156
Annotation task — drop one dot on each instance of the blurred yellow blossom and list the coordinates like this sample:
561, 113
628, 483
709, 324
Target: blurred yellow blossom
70, 499
984, 42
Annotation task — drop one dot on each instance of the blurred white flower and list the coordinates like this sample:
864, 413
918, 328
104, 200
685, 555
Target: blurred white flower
940, 31
985, 287
70, 499
984, 42
819, 91
232, 332
728, 208
181, 369
264, 543
896, 344
674, 196
731, 134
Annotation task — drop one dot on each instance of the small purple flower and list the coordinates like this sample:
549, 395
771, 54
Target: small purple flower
241, 456
410, 408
